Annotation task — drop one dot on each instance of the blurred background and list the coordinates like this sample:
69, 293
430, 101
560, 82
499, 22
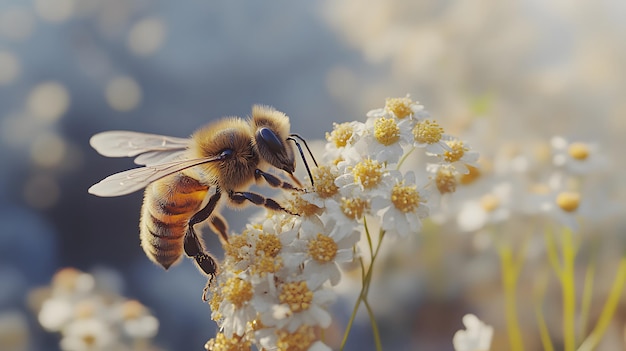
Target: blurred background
492, 72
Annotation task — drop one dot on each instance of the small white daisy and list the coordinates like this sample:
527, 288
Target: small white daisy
294, 304
304, 338
323, 247
88, 335
400, 108
459, 155
403, 207
577, 157
384, 139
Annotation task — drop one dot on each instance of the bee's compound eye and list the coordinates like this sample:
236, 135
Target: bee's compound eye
271, 139
226, 153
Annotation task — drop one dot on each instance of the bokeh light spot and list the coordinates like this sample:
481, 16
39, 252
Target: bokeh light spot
48, 150
55, 11
123, 94
10, 67
146, 36
48, 101
16, 23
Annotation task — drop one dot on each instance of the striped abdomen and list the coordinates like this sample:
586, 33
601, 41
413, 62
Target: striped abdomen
168, 205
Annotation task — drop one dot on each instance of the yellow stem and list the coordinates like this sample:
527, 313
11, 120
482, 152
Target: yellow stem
509, 281
569, 291
587, 297
540, 292
546, 341
608, 310
553, 255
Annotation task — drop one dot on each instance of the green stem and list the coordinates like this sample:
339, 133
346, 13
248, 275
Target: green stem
406, 154
364, 291
370, 313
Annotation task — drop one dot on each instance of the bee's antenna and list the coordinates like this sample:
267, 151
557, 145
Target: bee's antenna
306, 164
307, 147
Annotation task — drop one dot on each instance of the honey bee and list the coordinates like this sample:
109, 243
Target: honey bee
177, 174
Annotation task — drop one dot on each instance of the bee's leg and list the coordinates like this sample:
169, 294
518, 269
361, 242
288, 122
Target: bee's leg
276, 182
239, 197
193, 246
218, 225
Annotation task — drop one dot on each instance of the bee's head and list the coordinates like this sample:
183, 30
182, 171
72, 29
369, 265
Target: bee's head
271, 133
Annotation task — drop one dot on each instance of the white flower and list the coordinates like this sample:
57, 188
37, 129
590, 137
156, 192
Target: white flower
342, 139
400, 108
322, 247
295, 304
88, 335
304, 338
476, 337
384, 138
137, 322
236, 308
495, 206
365, 179
403, 207
428, 135
55, 313
577, 157
459, 155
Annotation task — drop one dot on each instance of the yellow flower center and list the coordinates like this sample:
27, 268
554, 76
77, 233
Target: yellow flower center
325, 182
405, 198
297, 296
472, 176
445, 180
400, 107
300, 340
237, 291
457, 150
368, 173
84, 309
386, 131
302, 207
489, 202
132, 309
354, 208
266, 264
323, 249
268, 244
66, 279
89, 339
578, 151
427, 132
215, 301
341, 134
568, 201
222, 343
235, 244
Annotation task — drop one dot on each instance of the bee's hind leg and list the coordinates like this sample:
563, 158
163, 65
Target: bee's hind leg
193, 245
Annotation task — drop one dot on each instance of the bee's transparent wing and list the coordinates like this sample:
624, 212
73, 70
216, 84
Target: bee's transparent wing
127, 182
150, 149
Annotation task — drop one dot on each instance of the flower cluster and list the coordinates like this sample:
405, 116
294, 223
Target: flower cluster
274, 289
92, 317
